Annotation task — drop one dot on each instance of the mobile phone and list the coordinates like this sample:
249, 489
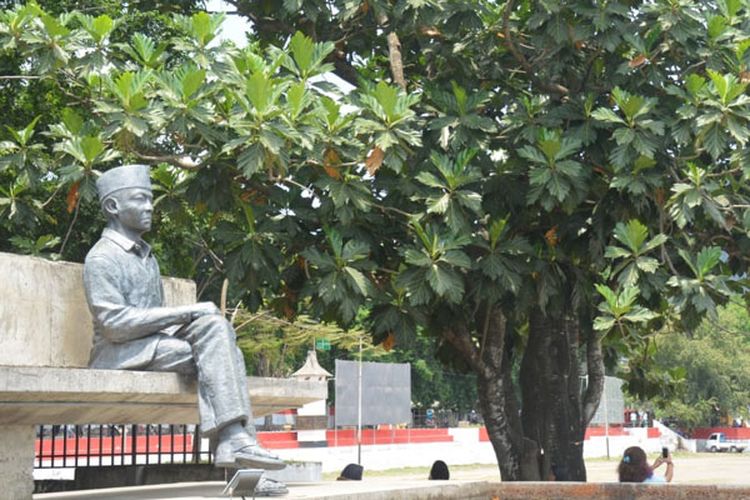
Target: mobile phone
665, 452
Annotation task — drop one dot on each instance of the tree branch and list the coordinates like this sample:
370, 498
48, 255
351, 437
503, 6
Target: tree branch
70, 228
462, 341
181, 161
22, 77
551, 87
394, 54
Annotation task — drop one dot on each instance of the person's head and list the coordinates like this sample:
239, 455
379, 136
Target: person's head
352, 472
439, 470
634, 467
126, 199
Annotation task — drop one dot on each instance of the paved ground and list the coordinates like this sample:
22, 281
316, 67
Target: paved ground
703, 468
693, 468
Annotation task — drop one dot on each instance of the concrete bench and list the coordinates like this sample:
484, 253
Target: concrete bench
46, 333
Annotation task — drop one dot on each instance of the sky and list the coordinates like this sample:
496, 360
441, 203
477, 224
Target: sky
235, 27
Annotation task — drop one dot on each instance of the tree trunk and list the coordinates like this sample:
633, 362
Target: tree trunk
546, 440
551, 396
499, 404
505, 440
497, 399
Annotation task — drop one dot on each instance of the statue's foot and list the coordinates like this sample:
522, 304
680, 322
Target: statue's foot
270, 488
245, 454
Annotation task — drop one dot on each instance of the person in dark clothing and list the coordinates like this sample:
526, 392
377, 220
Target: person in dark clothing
439, 471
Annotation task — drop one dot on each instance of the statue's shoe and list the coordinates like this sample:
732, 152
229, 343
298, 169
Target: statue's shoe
231, 454
270, 488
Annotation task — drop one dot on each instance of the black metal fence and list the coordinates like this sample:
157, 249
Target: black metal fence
113, 445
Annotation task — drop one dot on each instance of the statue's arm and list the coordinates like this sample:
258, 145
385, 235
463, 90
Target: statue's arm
120, 322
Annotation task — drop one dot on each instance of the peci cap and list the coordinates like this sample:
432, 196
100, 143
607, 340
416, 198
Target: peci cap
126, 176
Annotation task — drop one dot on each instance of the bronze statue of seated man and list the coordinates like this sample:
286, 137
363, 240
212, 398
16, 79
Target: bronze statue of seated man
134, 330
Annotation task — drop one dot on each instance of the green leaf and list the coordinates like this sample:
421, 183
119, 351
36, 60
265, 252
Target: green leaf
695, 84
416, 258
387, 97
707, 259
360, 282
143, 49
191, 82
259, 90
92, 146
355, 250
251, 159
497, 228
296, 96
24, 136
607, 115
717, 26
53, 27
302, 48
204, 27
430, 180
72, 120
103, 26
446, 283
647, 264
438, 205
631, 235
456, 258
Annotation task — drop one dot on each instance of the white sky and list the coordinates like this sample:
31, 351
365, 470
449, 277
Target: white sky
235, 27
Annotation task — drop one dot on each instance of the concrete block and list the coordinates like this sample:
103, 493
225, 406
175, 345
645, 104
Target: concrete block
16, 461
298, 472
84, 395
43, 305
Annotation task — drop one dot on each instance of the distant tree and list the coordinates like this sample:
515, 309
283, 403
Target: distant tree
709, 370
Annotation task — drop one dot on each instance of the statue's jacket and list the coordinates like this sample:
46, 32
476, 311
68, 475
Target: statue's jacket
123, 286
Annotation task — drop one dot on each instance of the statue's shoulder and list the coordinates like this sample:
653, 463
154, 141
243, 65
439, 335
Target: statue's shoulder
104, 249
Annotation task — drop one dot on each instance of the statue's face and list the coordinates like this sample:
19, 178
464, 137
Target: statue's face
135, 208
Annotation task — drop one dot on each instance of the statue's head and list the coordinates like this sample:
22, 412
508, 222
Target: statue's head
126, 198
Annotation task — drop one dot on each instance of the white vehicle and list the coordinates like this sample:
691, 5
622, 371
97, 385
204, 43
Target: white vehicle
719, 442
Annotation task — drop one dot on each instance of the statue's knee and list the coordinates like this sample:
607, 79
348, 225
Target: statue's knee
216, 323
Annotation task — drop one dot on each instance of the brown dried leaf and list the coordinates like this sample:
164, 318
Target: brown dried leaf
430, 31
551, 236
332, 163
389, 342
72, 198
659, 196
639, 60
374, 160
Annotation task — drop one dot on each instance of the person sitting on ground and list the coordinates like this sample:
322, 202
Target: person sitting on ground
352, 472
439, 471
634, 467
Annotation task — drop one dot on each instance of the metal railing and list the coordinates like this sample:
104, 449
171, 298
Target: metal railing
62, 446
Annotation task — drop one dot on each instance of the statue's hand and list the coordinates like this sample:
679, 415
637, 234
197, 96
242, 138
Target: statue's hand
204, 309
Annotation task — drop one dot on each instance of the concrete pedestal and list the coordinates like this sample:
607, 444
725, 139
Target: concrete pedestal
16, 461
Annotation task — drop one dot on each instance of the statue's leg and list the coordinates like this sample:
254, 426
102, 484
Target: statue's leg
172, 355
222, 391
242, 372
224, 399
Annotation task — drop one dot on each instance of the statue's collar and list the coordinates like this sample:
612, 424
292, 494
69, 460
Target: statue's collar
139, 247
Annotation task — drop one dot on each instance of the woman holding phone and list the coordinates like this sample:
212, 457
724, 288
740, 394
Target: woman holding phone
634, 467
